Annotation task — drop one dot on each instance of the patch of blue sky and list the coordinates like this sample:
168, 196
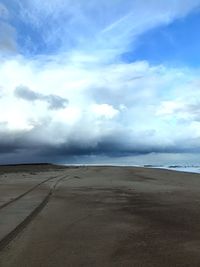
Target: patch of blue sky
176, 44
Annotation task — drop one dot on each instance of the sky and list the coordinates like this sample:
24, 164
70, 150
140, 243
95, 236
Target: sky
100, 82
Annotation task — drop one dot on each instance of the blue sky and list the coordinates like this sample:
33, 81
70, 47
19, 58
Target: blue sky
175, 44
93, 81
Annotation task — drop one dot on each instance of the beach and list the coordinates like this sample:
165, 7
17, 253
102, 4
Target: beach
53, 215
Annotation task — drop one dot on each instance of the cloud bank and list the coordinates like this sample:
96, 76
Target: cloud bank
67, 95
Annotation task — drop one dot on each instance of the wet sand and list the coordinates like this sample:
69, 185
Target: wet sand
98, 216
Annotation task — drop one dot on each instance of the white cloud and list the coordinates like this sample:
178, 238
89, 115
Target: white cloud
104, 28
7, 32
7, 40
123, 100
127, 107
104, 110
169, 107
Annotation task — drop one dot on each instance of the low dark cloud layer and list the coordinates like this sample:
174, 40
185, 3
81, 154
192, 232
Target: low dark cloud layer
27, 146
53, 101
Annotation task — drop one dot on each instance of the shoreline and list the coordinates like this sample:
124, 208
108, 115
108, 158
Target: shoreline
187, 169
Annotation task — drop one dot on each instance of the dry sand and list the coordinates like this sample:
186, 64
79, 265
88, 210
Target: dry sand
98, 216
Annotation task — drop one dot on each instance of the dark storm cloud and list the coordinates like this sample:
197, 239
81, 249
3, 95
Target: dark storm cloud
23, 146
54, 101
10, 142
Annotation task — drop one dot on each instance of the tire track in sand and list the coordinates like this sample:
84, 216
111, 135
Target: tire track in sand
12, 234
27, 192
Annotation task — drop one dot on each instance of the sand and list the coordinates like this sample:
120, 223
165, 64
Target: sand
98, 216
